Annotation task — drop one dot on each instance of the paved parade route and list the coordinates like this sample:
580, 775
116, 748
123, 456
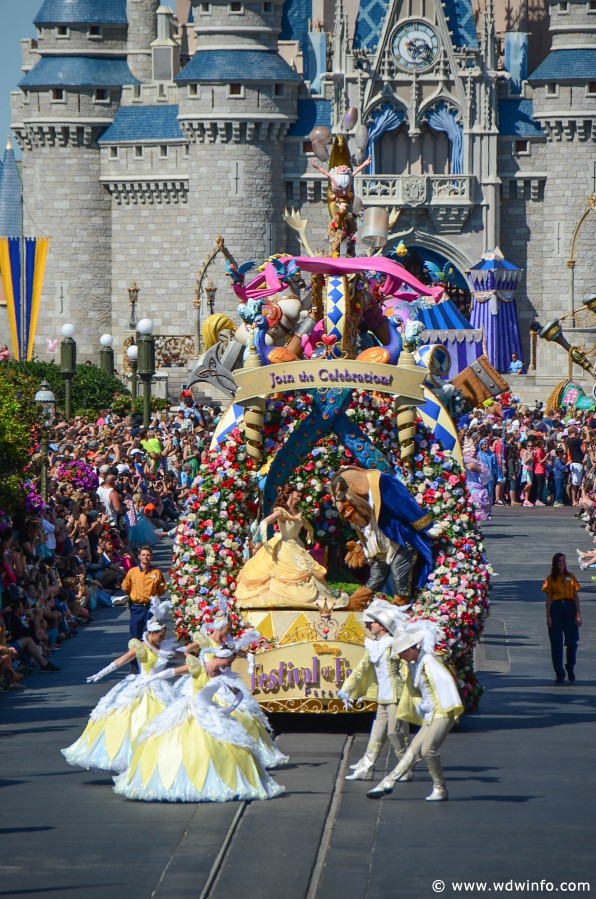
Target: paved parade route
519, 772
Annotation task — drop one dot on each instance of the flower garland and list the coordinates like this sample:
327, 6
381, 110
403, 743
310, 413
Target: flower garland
78, 473
211, 539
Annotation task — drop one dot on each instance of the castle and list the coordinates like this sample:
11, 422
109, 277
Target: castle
145, 134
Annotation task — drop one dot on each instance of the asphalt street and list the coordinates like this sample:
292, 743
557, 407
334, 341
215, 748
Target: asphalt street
519, 771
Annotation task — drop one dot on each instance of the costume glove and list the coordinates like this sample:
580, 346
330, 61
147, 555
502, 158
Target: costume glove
101, 674
345, 698
166, 674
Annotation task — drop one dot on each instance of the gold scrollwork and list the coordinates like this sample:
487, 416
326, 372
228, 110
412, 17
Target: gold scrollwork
312, 706
170, 349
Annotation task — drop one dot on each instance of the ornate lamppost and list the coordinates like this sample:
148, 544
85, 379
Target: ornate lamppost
133, 296
210, 291
106, 354
68, 365
146, 364
132, 353
47, 401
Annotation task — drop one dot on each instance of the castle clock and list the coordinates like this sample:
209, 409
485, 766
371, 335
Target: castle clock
415, 45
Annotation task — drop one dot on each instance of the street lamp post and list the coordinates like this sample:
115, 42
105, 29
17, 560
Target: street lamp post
68, 365
210, 291
47, 400
146, 364
132, 353
106, 354
133, 296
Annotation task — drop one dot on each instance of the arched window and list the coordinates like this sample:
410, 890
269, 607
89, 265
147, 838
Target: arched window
397, 154
383, 120
444, 118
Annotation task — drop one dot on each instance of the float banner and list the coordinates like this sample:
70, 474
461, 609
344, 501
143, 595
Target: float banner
322, 374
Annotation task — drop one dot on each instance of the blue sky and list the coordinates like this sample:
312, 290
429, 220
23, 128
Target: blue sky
16, 24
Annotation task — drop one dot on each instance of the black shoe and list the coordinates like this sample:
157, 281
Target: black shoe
570, 674
50, 667
560, 679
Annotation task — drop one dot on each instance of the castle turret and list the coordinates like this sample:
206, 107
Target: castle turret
564, 94
75, 71
237, 99
142, 31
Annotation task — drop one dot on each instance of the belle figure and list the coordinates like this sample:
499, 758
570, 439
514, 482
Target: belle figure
282, 574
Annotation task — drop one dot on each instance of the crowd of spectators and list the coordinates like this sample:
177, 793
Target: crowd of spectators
62, 563
534, 458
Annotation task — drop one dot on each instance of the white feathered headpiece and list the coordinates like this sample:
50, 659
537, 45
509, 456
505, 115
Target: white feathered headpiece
219, 610
160, 609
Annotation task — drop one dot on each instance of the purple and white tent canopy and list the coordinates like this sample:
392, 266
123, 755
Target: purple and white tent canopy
493, 282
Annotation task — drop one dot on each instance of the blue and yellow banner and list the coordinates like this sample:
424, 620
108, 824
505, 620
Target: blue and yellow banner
23, 305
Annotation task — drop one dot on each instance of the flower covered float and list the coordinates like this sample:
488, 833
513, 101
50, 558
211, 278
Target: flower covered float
212, 540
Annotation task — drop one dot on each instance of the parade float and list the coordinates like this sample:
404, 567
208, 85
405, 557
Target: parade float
331, 395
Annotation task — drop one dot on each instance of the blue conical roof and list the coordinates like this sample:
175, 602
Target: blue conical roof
10, 197
82, 12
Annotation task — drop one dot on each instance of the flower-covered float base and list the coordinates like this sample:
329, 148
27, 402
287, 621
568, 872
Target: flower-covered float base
210, 540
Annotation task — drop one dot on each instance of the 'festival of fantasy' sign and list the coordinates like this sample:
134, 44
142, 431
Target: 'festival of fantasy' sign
303, 659
322, 374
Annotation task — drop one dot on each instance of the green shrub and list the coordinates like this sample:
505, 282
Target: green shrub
19, 433
92, 388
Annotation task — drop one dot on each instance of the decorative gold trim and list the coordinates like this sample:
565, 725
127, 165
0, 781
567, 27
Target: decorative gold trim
313, 706
423, 522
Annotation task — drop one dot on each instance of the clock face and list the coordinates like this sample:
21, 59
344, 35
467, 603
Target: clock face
415, 45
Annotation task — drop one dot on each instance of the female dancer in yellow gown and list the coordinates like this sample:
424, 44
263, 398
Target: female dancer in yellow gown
194, 751
282, 574
215, 635
107, 742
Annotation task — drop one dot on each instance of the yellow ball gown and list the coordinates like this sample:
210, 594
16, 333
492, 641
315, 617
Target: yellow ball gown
107, 742
193, 752
282, 574
248, 714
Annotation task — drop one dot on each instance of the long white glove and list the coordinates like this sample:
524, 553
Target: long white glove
165, 674
234, 706
250, 659
345, 698
103, 673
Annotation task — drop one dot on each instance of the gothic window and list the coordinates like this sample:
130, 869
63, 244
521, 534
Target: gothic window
102, 95
95, 32
552, 89
397, 154
58, 95
444, 118
113, 152
63, 31
236, 90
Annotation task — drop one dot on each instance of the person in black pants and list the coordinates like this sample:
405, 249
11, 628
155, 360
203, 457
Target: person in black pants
563, 617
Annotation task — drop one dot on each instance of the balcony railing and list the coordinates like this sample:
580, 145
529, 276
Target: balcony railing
415, 190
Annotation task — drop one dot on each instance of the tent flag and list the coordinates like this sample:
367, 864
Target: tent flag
23, 310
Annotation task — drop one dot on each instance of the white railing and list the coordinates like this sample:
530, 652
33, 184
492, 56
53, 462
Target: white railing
415, 190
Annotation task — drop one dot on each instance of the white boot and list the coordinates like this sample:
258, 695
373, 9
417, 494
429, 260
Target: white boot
364, 768
362, 771
439, 794
382, 789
